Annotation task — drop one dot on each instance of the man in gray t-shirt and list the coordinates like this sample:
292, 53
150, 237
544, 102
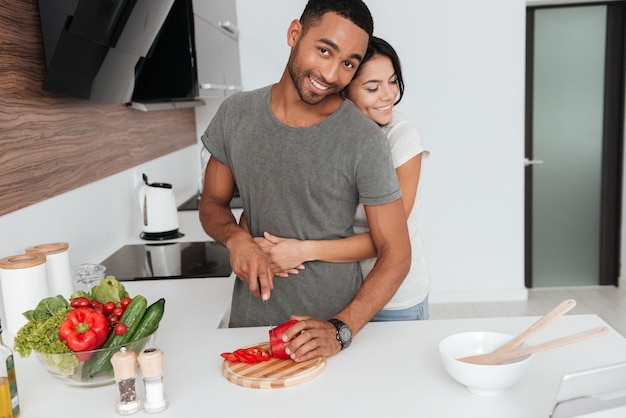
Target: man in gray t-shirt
303, 158
306, 191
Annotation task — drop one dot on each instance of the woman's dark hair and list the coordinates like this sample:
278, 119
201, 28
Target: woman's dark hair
379, 46
353, 10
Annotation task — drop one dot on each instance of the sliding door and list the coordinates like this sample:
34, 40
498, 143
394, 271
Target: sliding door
573, 169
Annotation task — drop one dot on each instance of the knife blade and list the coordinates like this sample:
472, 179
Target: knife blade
267, 312
269, 317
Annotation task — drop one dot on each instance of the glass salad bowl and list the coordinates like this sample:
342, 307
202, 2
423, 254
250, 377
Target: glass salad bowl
89, 368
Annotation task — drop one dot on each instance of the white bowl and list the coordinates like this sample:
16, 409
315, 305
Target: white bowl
485, 380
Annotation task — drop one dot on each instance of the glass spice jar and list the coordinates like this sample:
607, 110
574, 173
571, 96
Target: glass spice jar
125, 370
151, 364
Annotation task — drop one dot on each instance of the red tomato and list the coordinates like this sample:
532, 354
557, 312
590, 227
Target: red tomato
99, 307
277, 346
80, 302
112, 318
125, 302
109, 306
119, 328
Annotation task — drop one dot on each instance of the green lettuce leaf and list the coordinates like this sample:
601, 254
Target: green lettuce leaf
80, 293
47, 308
109, 290
41, 336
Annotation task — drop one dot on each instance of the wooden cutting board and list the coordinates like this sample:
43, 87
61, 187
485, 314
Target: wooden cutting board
275, 373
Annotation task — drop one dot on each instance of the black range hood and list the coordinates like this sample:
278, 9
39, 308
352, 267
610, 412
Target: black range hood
118, 51
167, 77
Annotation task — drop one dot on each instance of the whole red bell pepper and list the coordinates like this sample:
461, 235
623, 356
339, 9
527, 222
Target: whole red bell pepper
84, 329
277, 345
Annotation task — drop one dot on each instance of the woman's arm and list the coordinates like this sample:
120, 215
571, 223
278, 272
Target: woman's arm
266, 245
287, 253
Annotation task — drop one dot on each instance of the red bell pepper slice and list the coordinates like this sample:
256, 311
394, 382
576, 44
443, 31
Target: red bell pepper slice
230, 357
257, 354
247, 355
251, 355
277, 345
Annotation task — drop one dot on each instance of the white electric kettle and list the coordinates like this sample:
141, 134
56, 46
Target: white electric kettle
159, 212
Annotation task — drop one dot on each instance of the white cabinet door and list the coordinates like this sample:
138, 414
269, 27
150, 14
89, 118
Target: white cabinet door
217, 56
232, 66
221, 13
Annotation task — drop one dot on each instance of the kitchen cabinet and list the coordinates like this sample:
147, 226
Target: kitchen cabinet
217, 47
216, 12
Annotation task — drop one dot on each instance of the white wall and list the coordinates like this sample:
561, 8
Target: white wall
463, 63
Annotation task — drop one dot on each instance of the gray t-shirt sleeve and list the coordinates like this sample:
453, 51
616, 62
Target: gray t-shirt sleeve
376, 173
213, 138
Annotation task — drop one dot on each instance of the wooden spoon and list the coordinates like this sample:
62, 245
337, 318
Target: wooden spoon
506, 356
544, 321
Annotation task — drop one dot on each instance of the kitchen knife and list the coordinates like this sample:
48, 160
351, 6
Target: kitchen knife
267, 312
269, 317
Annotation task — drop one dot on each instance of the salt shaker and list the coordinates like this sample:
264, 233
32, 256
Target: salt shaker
151, 363
125, 370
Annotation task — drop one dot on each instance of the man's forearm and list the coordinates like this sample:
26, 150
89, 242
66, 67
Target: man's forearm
218, 221
389, 233
379, 287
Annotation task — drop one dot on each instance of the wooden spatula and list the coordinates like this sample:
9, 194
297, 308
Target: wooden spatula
544, 321
506, 356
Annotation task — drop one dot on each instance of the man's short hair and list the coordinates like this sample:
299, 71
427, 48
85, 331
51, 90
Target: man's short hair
354, 10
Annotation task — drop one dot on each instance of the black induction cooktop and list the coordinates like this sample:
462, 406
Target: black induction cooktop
194, 202
173, 260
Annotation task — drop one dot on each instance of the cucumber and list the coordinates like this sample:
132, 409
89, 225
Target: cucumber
149, 323
131, 317
150, 320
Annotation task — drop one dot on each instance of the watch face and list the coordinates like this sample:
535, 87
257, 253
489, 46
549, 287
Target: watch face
345, 334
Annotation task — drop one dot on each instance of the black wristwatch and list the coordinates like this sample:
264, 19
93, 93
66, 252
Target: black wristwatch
344, 333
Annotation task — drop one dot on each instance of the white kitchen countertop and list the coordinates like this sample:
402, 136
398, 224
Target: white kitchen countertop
391, 370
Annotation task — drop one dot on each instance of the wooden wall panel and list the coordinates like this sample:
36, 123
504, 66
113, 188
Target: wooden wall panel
51, 144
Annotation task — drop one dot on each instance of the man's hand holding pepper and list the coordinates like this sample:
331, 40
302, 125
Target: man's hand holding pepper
312, 338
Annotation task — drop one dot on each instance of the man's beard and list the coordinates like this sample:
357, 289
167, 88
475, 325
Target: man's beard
300, 79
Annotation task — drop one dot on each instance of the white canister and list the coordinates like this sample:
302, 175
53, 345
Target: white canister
24, 283
58, 267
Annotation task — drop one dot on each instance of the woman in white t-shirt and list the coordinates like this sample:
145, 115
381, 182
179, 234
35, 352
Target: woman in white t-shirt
376, 88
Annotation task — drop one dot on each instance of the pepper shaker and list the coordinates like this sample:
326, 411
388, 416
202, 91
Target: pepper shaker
151, 363
125, 370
